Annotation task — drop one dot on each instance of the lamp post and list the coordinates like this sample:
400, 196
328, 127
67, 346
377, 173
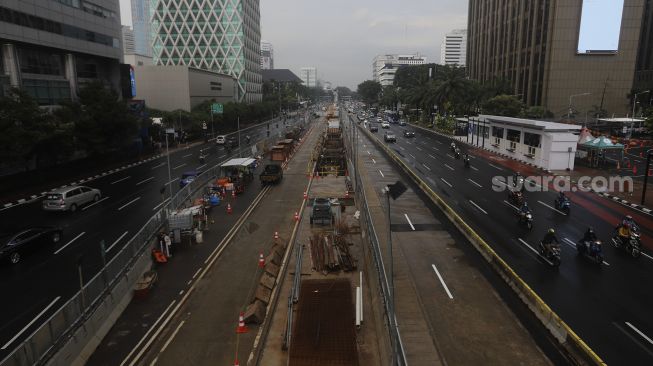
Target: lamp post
632, 118
572, 96
648, 166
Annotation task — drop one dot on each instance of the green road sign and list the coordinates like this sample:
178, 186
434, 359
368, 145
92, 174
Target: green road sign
217, 108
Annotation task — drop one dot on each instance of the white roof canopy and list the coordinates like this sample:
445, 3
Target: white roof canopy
239, 162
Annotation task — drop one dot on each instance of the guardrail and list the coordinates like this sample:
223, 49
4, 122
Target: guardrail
366, 218
61, 326
556, 326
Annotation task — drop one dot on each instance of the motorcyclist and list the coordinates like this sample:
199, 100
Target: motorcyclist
453, 146
524, 210
589, 236
247, 138
624, 231
466, 158
549, 239
561, 197
202, 158
628, 220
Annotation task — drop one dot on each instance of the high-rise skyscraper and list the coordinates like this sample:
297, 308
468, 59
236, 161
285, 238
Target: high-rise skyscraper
218, 35
384, 67
267, 56
308, 76
141, 15
579, 55
454, 48
127, 39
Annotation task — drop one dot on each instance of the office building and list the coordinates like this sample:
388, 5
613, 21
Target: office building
267, 56
384, 67
141, 17
562, 55
308, 76
137, 60
170, 88
284, 77
224, 38
644, 66
50, 48
453, 49
127, 40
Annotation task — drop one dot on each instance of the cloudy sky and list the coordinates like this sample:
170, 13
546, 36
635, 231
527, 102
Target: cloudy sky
341, 37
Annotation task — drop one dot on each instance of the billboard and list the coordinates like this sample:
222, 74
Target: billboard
600, 26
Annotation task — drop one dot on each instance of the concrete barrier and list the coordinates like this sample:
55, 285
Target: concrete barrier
574, 346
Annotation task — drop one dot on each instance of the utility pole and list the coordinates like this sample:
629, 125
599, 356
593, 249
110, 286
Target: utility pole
570, 97
632, 118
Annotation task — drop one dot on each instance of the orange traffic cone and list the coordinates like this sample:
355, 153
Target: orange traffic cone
634, 169
241, 324
261, 261
276, 235
236, 363
296, 217
229, 208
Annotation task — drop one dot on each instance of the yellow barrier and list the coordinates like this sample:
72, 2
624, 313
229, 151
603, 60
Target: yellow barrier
558, 328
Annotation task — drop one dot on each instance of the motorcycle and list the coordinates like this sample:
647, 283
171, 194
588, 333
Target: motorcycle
563, 205
552, 254
631, 245
467, 163
457, 154
202, 159
591, 249
517, 198
527, 219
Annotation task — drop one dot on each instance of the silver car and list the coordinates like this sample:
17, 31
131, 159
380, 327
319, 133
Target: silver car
70, 198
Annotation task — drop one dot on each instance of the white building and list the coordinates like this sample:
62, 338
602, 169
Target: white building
384, 67
453, 50
548, 145
267, 56
308, 76
127, 39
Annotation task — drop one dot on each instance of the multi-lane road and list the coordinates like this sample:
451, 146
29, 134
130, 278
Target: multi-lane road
39, 285
608, 306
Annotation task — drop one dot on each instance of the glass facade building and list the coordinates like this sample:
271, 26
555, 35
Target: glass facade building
218, 35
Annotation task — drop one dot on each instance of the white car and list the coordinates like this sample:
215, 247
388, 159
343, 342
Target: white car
220, 140
385, 125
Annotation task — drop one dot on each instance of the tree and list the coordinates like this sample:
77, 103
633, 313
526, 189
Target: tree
343, 91
369, 90
535, 112
22, 125
503, 105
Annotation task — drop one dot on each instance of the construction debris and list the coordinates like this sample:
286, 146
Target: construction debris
330, 253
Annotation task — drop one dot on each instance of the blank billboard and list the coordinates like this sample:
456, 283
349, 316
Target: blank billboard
600, 25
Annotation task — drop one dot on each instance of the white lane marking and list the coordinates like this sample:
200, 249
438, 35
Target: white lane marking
374, 161
368, 153
401, 147
448, 166
445, 182
94, 203
533, 183
417, 147
494, 180
649, 340
200, 167
116, 242
187, 155
442, 281
425, 166
647, 256
172, 181
476, 184
511, 205
222, 156
494, 166
196, 273
147, 334
31, 322
553, 208
409, 143
412, 155
450, 156
409, 222
436, 149
477, 206
70, 242
145, 180
179, 166
172, 336
161, 204
473, 168
535, 251
381, 174
432, 157
439, 142
158, 166
129, 203
120, 180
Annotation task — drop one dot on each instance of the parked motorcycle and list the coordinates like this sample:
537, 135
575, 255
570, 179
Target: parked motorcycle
526, 219
631, 245
564, 205
591, 249
552, 254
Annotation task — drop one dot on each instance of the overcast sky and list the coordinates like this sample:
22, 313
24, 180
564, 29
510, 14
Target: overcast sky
341, 37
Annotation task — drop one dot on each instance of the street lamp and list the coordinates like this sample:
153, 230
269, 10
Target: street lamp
570, 97
630, 131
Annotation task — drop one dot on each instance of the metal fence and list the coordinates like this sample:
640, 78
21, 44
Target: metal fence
367, 222
43, 343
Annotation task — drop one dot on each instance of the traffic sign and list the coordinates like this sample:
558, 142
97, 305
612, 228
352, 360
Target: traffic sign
204, 125
217, 108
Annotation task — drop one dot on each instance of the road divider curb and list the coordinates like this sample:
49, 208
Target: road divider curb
572, 344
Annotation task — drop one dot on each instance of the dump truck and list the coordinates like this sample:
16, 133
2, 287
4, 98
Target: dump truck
272, 174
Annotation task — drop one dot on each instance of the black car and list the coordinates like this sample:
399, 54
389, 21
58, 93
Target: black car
13, 247
409, 133
373, 127
232, 141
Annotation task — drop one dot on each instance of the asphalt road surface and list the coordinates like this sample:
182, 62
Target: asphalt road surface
40, 284
608, 306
